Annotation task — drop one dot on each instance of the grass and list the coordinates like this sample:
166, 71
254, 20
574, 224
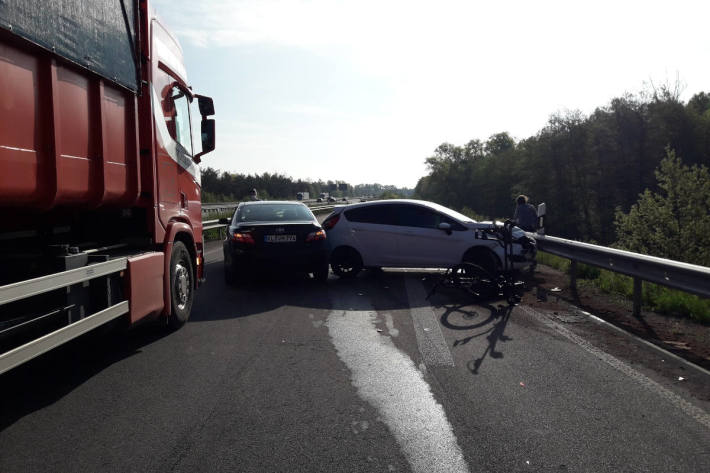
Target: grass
657, 298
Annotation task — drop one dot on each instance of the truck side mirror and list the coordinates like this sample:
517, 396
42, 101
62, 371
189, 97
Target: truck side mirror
208, 138
206, 105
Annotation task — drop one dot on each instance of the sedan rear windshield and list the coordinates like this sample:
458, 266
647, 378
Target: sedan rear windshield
272, 213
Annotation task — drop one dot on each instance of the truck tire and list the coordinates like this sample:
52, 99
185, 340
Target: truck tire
181, 285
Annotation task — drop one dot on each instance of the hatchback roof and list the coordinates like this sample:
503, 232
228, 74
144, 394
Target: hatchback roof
425, 203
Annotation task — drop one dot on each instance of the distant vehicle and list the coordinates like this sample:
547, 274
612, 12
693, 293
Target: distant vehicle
266, 235
323, 195
331, 199
363, 200
319, 199
344, 199
302, 196
416, 234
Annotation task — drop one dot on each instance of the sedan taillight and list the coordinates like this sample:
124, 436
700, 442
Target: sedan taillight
245, 238
315, 236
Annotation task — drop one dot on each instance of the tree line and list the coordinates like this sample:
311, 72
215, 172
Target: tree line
588, 169
233, 187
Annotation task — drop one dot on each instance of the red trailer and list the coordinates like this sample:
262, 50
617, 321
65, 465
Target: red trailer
100, 214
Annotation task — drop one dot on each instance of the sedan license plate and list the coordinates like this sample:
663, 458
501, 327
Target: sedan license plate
279, 238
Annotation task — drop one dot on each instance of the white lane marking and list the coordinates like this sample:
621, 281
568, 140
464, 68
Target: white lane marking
389, 322
693, 411
648, 344
388, 380
430, 339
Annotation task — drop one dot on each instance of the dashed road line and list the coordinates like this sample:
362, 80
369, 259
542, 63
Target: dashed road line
430, 339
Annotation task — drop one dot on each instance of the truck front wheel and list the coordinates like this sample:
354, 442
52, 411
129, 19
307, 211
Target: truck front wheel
181, 285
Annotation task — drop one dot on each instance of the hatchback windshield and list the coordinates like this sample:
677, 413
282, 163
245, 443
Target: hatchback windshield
451, 213
272, 213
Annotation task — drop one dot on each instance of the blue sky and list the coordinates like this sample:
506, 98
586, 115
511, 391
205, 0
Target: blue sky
363, 91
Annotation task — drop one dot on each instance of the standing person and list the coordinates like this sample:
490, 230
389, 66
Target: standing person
525, 215
253, 195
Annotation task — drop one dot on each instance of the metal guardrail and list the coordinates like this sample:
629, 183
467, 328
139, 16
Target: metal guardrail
227, 206
218, 208
32, 287
683, 276
210, 224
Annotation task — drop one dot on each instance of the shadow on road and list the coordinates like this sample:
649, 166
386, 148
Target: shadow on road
46, 379
493, 325
495, 334
261, 293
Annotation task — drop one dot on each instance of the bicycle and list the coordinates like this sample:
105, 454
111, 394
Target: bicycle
481, 284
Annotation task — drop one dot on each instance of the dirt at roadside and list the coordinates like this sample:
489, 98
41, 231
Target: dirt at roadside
681, 336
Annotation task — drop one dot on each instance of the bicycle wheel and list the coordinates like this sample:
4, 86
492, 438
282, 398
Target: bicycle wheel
474, 280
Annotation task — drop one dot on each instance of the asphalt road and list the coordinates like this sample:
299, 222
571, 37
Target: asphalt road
290, 375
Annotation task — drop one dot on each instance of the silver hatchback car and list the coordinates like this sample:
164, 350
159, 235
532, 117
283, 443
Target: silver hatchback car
416, 234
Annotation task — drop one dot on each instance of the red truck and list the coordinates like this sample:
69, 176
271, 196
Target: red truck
100, 213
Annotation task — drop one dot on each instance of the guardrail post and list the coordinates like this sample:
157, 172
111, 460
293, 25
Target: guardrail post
637, 296
573, 275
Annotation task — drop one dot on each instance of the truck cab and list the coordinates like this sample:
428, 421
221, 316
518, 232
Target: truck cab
101, 137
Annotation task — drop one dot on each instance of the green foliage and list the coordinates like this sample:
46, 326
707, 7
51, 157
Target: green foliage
379, 189
474, 215
673, 222
227, 187
657, 298
389, 195
614, 171
553, 261
583, 167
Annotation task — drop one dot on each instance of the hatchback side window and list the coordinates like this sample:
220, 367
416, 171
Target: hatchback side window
422, 217
378, 214
416, 216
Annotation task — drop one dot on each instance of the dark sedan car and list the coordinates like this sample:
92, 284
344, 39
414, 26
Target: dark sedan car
273, 237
